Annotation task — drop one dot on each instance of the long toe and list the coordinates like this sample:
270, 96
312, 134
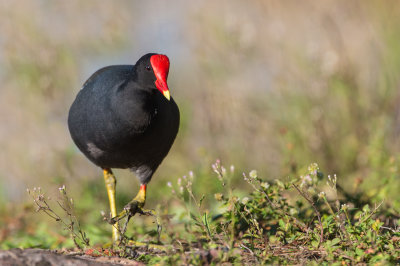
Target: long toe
130, 210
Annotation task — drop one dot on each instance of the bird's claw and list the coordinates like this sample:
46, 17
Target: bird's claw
129, 211
133, 207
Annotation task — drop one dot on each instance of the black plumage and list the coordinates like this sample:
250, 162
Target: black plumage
121, 119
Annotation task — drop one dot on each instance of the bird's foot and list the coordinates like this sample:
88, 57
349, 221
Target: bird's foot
130, 210
134, 206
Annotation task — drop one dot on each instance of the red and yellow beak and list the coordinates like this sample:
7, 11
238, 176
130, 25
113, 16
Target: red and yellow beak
160, 64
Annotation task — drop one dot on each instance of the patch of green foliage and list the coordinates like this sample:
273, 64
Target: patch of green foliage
300, 219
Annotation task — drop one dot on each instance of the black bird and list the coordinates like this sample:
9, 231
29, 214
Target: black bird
124, 117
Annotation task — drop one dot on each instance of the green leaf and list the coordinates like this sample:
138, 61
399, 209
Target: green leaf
205, 221
335, 241
282, 224
315, 243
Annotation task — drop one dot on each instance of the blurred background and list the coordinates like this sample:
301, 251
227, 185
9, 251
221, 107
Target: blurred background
266, 85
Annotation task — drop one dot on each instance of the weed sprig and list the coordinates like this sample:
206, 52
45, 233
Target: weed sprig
70, 222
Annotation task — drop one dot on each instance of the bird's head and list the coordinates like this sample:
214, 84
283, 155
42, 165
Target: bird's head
153, 69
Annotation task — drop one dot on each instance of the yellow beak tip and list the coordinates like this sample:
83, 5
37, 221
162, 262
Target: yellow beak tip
167, 95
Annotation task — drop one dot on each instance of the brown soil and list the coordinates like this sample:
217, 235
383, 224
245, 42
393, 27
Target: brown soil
40, 257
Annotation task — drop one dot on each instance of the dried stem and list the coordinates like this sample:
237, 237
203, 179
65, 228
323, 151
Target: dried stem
315, 209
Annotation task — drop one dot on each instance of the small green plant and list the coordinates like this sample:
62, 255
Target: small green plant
66, 204
288, 221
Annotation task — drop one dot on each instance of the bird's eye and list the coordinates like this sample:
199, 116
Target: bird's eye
148, 68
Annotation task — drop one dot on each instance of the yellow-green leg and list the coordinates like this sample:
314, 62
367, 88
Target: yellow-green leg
134, 206
111, 182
